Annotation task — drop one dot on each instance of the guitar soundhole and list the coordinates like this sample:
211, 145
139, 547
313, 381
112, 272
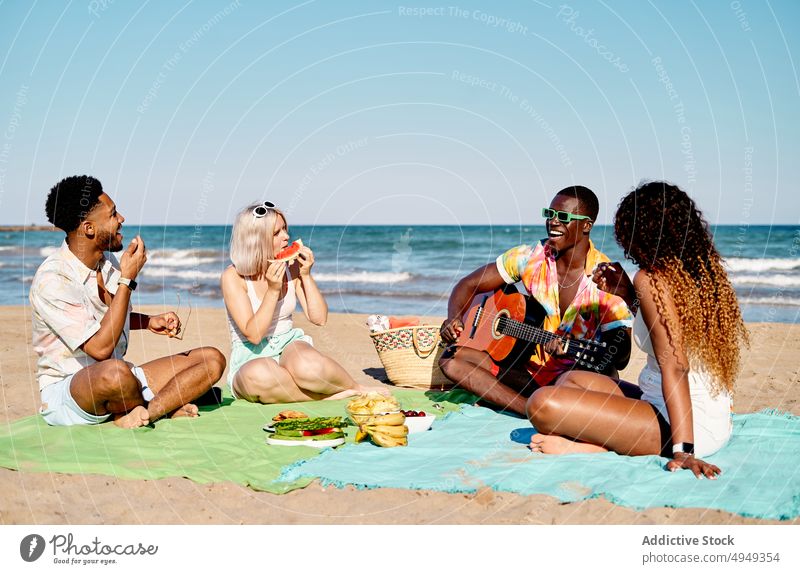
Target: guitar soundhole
496, 333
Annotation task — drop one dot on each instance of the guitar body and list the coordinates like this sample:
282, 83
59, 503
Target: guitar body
508, 326
482, 332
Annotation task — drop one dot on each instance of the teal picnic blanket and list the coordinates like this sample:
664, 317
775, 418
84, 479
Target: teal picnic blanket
226, 443
477, 448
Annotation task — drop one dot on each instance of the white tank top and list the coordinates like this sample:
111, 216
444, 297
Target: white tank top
712, 408
282, 318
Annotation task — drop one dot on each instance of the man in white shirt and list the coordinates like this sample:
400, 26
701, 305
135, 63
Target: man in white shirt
80, 300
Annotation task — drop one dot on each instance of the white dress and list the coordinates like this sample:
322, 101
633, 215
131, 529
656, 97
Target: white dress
711, 415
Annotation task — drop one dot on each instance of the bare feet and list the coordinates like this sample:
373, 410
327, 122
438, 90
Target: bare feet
359, 390
554, 444
342, 395
138, 417
188, 410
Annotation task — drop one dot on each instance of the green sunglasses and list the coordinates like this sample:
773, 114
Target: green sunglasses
563, 216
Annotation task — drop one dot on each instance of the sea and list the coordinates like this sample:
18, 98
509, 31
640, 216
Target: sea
400, 270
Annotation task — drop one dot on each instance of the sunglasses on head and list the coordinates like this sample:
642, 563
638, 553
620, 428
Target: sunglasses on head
562, 216
263, 209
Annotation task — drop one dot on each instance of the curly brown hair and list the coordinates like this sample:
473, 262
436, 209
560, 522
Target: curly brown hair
661, 229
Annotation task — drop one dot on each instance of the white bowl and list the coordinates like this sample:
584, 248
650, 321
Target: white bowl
419, 424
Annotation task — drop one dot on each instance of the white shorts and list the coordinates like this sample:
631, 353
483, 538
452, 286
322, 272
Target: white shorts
60, 409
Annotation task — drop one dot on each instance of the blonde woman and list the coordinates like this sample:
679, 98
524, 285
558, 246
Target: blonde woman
271, 360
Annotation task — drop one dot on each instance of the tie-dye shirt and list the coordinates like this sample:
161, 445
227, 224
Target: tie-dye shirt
591, 312
67, 311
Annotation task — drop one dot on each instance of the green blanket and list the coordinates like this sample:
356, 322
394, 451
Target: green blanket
226, 443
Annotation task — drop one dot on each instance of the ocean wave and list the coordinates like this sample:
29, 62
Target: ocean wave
767, 279
48, 251
742, 264
775, 300
163, 272
180, 260
403, 294
185, 257
363, 277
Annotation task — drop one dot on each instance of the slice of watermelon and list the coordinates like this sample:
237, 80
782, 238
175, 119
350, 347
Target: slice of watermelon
288, 253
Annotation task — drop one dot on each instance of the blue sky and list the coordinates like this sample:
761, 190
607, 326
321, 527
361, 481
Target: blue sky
404, 113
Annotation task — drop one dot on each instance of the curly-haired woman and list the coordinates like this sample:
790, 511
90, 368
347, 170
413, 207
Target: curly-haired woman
690, 326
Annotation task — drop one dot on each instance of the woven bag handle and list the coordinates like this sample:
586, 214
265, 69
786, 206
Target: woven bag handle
423, 353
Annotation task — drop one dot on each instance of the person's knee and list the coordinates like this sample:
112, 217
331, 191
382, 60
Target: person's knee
453, 368
115, 372
115, 381
213, 360
307, 367
543, 409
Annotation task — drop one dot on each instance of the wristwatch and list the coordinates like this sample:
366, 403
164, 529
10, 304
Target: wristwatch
129, 283
685, 447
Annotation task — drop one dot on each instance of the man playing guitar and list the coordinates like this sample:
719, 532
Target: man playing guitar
556, 272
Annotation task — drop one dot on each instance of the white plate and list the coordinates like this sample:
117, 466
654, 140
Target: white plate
269, 427
311, 443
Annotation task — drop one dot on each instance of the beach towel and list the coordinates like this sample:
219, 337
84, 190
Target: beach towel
226, 443
477, 448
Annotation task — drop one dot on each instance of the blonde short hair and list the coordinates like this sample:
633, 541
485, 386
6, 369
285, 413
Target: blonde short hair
251, 240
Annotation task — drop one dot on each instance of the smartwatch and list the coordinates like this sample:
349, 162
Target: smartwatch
129, 283
685, 447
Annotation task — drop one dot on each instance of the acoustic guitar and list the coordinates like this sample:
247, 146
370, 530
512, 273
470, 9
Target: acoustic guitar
508, 325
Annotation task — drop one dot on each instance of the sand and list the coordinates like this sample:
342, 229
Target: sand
768, 380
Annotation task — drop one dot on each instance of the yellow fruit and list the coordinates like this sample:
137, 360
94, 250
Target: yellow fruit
361, 434
396, 431
384, 440
392, 419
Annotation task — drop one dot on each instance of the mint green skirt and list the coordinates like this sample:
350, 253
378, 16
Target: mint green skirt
268, 348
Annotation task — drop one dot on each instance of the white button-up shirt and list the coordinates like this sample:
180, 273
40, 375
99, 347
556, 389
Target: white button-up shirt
67, 310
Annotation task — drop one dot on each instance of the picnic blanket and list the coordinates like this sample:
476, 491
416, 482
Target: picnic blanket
468, 449
226, 443
478, 448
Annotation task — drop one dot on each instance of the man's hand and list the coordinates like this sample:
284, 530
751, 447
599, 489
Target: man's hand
556, 347
166, 324
133, 259
450, 330
611, 278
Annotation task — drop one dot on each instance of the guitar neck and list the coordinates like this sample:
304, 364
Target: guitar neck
525, 332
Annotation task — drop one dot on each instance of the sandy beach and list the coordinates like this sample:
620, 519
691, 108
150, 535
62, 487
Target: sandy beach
768, 380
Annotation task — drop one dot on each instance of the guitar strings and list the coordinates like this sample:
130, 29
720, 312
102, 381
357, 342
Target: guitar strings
520, 330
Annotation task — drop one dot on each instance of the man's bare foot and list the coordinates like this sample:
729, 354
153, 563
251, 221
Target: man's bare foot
138, 417
554, 444
188, 410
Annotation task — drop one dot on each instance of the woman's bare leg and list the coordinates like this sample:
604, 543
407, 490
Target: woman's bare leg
592, 409
265, 381
315, 373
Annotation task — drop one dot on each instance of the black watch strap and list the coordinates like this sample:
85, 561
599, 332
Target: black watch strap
685, 447
129, 283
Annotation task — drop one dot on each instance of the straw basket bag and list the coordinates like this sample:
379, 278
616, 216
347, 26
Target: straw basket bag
410, 356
